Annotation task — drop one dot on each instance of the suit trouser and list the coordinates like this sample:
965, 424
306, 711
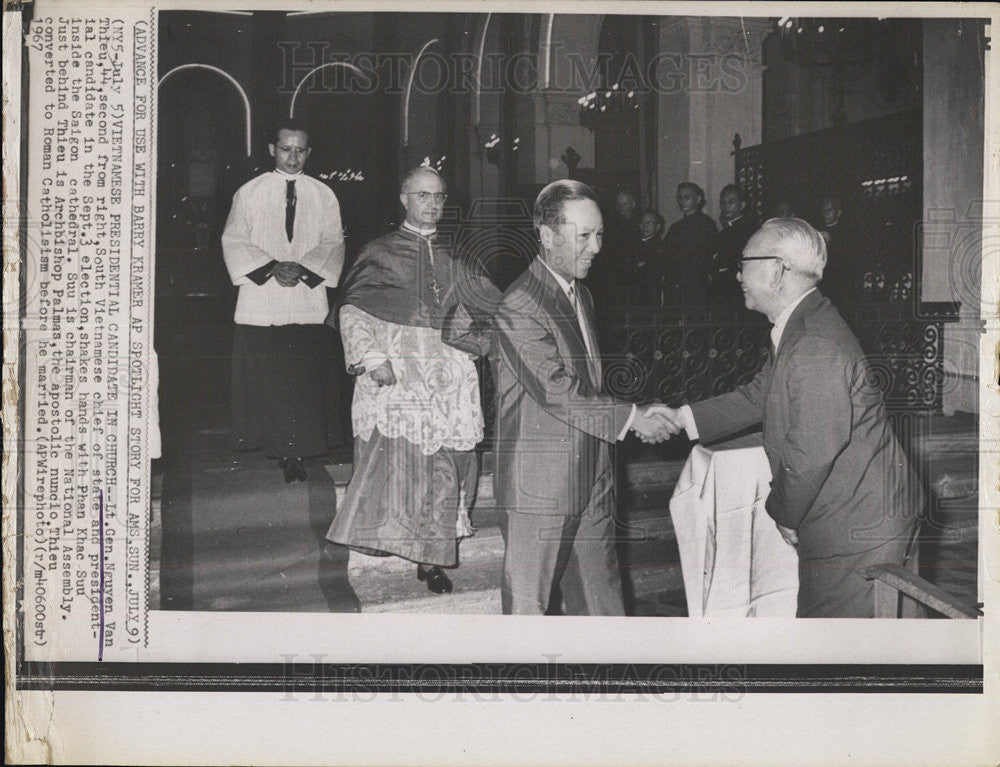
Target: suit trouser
833, 587
574, 553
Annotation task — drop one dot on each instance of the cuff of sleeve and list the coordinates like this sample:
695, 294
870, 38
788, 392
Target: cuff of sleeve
310, 278
628, 424
689, 425
263, 274
372, 359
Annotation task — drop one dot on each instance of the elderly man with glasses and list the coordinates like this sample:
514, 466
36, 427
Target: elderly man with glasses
416, 412
842, 491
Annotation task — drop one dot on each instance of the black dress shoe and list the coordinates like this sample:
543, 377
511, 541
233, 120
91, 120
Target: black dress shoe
293, 469
437, 581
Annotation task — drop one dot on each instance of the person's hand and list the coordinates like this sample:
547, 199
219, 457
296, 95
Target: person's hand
287, 273
653, 424
383, 375
672, 415
791, 537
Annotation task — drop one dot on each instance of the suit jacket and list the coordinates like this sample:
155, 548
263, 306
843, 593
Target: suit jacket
840, 478
555, 424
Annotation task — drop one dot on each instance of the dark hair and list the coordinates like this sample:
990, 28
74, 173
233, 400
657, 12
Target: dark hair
740, 194
783, 201
551, 200
289, 124
660, 221
690, 185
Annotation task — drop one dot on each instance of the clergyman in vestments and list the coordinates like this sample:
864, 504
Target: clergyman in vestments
416, 412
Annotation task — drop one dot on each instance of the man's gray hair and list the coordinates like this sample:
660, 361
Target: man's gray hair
420, 170
549, 204
798, 246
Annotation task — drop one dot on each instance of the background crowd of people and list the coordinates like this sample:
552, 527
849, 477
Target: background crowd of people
691, 264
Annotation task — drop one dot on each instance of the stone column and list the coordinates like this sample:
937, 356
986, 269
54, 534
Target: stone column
708, 75
952, 231
556, 113
673, 112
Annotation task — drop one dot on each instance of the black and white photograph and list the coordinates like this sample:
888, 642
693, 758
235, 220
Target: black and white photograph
361, 357
328, 447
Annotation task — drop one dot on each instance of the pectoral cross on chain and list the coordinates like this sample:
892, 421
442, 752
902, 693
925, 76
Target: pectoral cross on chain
436, 290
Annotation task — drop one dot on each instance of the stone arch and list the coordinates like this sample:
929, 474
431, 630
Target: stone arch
409, 88
295, 95
223, 73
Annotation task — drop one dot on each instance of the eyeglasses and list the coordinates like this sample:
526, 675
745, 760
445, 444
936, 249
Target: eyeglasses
425, 197
739, 264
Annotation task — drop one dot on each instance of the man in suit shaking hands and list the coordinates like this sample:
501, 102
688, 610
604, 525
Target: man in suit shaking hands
842, 491
553, 474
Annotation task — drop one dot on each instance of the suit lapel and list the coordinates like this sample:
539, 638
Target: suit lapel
796, 324
587, 307
558, 305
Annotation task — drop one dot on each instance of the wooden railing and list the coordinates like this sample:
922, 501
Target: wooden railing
893, 581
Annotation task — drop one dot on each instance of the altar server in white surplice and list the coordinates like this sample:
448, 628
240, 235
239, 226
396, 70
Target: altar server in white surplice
283, 245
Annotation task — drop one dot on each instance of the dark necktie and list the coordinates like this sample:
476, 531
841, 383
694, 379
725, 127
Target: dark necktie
290, 209
581, 320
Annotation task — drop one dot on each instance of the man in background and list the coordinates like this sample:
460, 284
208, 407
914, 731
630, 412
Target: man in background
282, 244
609, 281
646, 276
842, 281
737, 224
689, 244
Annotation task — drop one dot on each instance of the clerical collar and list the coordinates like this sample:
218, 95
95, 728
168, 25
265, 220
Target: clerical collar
290, 176
422, 232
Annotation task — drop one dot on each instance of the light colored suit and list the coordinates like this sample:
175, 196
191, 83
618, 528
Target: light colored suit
840, 478
553, 473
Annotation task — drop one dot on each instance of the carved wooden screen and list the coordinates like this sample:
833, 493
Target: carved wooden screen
875, 167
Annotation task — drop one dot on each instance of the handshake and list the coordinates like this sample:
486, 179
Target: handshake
656, 423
